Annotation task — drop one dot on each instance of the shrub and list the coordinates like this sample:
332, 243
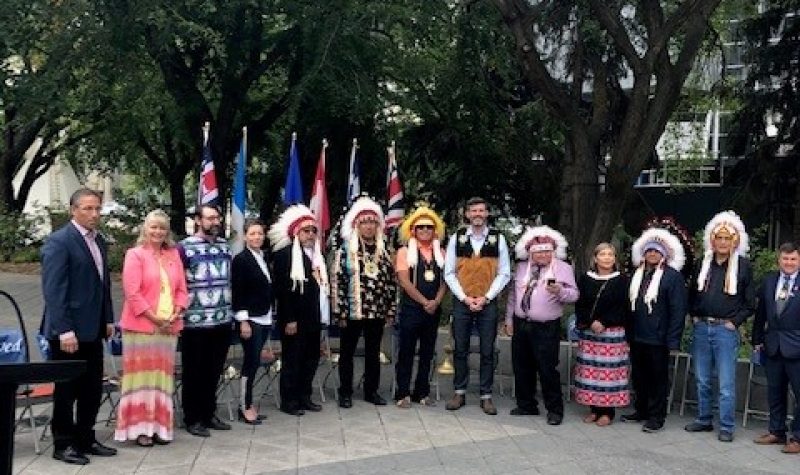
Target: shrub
16, 233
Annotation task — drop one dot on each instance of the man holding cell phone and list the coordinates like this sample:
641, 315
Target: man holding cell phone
543, 284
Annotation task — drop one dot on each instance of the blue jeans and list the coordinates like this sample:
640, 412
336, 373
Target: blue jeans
715, 345
486, 321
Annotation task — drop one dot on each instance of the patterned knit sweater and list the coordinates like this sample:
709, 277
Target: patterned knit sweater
207, 267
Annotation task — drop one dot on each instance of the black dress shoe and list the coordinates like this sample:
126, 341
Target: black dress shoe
217, 424
96, 448
292, 410
70, 455
698, 427
554, 419
518, 411
310, 405
345, 402
376, 399
634, 417
198, 430
253, 422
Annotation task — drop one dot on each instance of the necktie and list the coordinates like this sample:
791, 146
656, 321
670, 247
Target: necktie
94, 250
783, 295
525, 304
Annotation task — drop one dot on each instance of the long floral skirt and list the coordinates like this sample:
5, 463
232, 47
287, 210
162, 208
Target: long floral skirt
601, 373
148, 369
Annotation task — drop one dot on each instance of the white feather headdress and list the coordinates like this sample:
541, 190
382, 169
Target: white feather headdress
730, 221
284, 232
536, 233
675, 257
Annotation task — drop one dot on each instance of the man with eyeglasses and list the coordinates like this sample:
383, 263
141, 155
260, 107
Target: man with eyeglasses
76, 286
207, 321
721, 300
301, 286
476, 269
420, 273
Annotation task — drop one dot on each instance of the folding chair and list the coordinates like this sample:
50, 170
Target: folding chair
331, 360
231, 374
271, 366
112, 379
676, 359
14, 349
756, 377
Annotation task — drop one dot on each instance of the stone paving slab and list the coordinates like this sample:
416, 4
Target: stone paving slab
422, 440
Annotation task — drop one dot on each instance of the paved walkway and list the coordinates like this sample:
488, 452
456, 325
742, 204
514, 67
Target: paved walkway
423, 440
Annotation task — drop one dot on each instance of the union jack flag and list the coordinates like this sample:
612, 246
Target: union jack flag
395, 203
207, 191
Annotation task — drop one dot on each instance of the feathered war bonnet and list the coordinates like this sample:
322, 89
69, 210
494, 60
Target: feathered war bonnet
284, 233
541, 238
363, 209
423, 214
672, 255
726, 223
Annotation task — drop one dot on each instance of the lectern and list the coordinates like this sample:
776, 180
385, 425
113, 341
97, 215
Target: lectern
11, 377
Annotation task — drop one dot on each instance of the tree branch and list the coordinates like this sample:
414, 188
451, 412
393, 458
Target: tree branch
615, 29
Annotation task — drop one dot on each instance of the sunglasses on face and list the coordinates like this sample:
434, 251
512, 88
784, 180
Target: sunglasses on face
424, 226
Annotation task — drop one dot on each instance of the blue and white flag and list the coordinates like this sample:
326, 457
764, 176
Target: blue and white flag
353, 178
239, 198
293, 190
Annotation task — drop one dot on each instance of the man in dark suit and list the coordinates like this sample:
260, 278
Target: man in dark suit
776, 332
301, 288
77, 317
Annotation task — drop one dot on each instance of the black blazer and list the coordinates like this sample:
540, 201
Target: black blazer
250, 288
778, 332
294, 306
75, 298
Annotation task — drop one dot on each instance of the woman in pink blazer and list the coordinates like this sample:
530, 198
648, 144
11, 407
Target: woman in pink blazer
154, 287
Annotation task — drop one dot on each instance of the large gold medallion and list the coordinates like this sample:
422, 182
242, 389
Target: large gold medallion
429, 275
371, 269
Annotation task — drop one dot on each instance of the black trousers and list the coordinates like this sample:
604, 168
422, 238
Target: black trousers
251, 348
650, 367
299, 361
76, 402
373, 332
782, 373
203, 355
534, 352
412, 327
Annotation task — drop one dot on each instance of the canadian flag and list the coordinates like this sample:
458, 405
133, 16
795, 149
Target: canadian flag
319, 197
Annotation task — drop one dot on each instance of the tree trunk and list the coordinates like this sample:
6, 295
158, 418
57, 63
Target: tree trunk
177, 212
579, 197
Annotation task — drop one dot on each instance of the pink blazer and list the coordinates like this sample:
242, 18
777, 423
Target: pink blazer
141, 286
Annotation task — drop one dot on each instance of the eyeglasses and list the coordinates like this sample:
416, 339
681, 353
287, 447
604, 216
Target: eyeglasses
309, 229
424, 226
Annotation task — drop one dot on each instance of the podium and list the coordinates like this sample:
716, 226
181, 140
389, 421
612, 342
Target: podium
11, 377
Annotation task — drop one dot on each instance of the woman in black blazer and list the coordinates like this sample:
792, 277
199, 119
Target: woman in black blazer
253, 303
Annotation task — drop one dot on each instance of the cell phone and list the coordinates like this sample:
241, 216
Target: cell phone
551, 281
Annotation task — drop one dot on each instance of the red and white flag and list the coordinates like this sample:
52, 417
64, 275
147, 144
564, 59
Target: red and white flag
319, 197
395, 204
